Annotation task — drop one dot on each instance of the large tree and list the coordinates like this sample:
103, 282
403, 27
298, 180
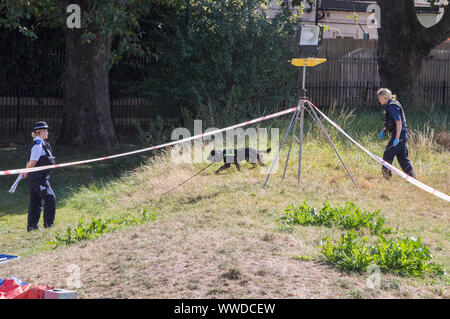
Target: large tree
403, 44
86, 116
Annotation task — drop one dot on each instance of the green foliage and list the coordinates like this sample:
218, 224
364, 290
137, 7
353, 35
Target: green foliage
111, 18
403, 255
354, 17
348, 253
347, 217
153, 134
302, 258
32, 62
217, 60
97, 227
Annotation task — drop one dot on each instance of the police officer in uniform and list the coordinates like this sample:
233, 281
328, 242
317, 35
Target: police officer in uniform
40, 154
395, 124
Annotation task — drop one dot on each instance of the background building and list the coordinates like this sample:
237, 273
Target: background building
351, 19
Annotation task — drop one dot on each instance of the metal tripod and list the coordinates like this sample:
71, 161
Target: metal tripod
298, 116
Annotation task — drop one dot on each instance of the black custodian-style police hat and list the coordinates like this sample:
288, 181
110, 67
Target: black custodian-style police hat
40, 126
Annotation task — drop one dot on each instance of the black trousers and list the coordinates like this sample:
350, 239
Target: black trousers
41, 191
401, 152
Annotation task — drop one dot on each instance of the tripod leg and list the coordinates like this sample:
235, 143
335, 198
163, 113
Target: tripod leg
302, 112
313, 112
282, 143
290, 145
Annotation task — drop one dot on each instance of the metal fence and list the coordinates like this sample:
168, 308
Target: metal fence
349, 77
22, 106
363, 94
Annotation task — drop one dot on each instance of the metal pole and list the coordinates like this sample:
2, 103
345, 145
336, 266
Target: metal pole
282, 143
329, 140
290, 146
303, 82
302, 112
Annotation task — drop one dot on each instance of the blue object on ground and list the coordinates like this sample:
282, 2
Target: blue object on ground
6, 258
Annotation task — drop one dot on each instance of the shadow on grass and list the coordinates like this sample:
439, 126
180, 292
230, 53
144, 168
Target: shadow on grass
64, 181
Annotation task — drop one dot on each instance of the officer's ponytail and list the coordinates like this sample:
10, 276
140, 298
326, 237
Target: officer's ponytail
35, 133
387, 93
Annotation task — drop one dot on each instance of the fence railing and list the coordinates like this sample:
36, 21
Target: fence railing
363, 94
349, 77
20, 107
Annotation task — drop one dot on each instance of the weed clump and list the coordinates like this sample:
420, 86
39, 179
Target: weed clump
347, 217
97, 227
401, 256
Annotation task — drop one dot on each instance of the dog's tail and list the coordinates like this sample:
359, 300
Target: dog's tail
266, 151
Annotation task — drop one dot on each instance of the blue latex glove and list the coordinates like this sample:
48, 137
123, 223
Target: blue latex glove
382, 134
396, 141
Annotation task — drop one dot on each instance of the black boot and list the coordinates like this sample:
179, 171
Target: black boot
386, 173
32, 228
412, 174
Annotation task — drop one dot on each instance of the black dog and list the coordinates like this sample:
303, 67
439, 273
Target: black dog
235, 156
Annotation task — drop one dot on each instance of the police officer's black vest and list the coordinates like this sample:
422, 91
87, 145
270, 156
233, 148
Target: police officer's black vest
389, 122
44, 160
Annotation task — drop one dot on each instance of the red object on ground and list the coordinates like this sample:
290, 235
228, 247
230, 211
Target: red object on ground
13, 288
34, 293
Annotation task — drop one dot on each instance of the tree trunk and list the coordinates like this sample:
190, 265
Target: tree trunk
400, 64
403, 43
86, 116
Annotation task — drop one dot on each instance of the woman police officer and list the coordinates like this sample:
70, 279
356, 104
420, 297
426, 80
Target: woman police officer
395, 123
40, 189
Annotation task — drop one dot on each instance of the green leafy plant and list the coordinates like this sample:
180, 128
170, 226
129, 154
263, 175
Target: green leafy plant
347, 217
97, 227
403, 255
302, 258
348, 253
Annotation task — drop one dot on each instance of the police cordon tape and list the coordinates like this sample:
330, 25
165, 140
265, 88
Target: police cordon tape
274, 115
152, 148
387, 165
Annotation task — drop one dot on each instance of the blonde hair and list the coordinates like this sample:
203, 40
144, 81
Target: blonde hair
35, 133
386, 93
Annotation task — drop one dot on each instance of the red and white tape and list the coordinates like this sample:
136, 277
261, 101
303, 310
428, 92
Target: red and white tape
387, 165
40, 168
274, 115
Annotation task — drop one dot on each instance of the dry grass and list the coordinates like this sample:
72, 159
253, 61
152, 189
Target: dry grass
218, 236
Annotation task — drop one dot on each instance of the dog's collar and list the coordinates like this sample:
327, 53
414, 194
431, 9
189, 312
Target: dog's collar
228, 154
